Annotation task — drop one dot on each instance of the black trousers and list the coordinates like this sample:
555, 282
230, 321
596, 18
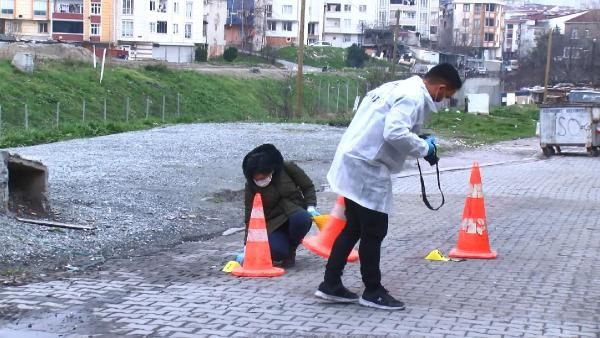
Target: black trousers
370, 227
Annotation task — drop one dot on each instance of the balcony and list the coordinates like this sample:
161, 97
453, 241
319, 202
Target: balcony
68, 10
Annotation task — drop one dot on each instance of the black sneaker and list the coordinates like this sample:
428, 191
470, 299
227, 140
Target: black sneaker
380, 299
336, 294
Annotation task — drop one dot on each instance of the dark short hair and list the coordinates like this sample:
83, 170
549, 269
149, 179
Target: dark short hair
444, 73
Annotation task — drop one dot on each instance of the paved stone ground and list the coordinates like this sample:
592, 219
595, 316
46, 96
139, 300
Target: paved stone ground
544, 222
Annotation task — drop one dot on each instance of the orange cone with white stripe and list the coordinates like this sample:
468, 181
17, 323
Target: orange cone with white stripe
473, 241
322, 243
257, 257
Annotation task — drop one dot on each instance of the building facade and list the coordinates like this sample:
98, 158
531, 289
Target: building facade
479, 25
167, 30
420, 16
25, 19
215, 16
345, 22
83, 21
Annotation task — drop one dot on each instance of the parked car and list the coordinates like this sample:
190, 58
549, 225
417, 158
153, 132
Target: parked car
481, 70
320, 44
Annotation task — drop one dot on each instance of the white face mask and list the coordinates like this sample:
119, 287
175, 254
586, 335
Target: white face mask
264, 182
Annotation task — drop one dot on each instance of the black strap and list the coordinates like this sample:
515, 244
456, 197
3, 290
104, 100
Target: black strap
424, 194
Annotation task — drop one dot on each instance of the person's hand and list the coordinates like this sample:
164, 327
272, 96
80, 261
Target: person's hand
312, 211
431, 142
240, 257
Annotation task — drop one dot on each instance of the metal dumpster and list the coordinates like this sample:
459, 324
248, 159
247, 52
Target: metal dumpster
570, 124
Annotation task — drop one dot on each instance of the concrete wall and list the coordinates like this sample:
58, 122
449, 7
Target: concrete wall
490, 86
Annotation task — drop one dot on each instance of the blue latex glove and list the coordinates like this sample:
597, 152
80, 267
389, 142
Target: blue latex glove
240, 258
431, 142
312, 211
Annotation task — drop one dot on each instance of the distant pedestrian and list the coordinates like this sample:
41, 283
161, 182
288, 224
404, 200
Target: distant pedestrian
289, 200
383, 133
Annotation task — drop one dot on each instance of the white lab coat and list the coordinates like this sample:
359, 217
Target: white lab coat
383, 133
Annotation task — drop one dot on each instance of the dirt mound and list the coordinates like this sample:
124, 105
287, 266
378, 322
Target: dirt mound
58, 51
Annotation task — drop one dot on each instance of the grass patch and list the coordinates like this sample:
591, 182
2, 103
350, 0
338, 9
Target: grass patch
503, 123
316, 56
247, 60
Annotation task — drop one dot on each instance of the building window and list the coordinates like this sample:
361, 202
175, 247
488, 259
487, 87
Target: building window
362, 8
334, 7
127, 28
490, 7
288, 9
312, 28
287, 26
176, 7
95, 8
347, 22
466, 7
424, 3
152, 5
272, 25
161, 27
188, 30
153, 27
509, 26
489, 37
189, 10
127, 7
13, 27
574, 34
175, 28
95, 29
489, 22
40, 8
509, 35
269, 11
433, 30
477, 24
347, 37
347, 8
465, 22
43, 27
8, 6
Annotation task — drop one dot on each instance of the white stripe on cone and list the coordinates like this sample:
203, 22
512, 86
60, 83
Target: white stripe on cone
257, 213
473, 225
338, 211
475, 191
257, 235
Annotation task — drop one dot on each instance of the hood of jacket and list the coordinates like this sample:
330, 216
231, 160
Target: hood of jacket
262, 159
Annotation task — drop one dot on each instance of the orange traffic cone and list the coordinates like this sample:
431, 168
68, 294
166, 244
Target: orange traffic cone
257, 257
322, 243
473, 239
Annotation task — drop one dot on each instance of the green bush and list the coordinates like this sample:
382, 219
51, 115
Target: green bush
355, 56
230, 54
201, 54
159, 68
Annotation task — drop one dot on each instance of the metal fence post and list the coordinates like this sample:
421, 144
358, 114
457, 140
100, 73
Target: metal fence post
83, 111
178, 111
0, 119
104, 110
127, 109
26, 118
347, 94
57, 114
163, 108
337, 103
147, 107
327, 106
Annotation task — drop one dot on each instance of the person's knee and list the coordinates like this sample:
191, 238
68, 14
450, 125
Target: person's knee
300, 222
375, 232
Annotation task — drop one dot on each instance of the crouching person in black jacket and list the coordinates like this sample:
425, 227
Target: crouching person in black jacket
289, 200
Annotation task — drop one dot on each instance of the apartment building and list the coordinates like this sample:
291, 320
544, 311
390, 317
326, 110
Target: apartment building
215, 16
82, 21
25, 19
345, 21
160, 29
420, 16
478, 24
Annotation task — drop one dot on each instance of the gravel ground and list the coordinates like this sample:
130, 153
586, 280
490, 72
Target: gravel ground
149, 190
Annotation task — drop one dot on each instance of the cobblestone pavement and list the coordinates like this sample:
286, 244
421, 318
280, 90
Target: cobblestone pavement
543, 219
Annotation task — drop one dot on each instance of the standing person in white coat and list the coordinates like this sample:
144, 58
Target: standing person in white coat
381, 136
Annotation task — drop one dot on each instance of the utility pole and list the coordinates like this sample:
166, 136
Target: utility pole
593, 71
548, 60
300, 74
394, 44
